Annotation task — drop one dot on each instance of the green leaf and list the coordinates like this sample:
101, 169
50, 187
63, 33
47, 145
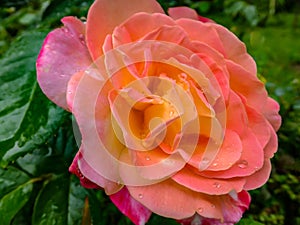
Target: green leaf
248, 222
13, 201
60, 201
251, 14
77, 195
10, 179
44, 161
51, 204
27, 117
59, 9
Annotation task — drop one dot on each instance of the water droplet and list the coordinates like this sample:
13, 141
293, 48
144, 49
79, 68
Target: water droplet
215, 164
213, 206
256, 168
140, 196
204, 160
217, 185
200, 210
65, 29
182, 76
147, 158
203, 164
243, 164
171, 113
70, 92
82, 39
168, 162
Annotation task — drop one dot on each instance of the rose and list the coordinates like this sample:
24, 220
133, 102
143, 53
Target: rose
172, 117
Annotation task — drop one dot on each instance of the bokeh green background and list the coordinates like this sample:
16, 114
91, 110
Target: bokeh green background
36, 139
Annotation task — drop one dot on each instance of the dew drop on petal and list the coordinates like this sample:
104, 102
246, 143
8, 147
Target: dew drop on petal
215, 164
204, 160
171, 113
200, 210
81, 38
66, 30
217, 185
242, 164
141, 196
213, 206
147, 158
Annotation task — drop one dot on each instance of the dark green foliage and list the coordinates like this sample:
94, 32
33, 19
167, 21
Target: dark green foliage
36, 137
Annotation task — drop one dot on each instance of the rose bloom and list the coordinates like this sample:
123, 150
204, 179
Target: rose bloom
172, 117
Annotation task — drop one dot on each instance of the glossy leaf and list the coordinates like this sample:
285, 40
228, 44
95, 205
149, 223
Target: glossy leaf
13, 201
248, 222
61, 201
51, 204
77, 210
10, 179
27, 117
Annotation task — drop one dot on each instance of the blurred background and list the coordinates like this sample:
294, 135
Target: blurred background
36, 137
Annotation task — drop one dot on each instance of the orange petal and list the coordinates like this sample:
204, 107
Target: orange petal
170, 199
138, 26
229, 153
211, 186
259, 126
105, 15
251, 160
235, 49
202, 32
236, 114
247, 85
259, 178
182, 12
272, 144
270, 111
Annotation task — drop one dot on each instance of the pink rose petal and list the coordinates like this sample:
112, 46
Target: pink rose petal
89, 178
130, 207
63, 54
83, 180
